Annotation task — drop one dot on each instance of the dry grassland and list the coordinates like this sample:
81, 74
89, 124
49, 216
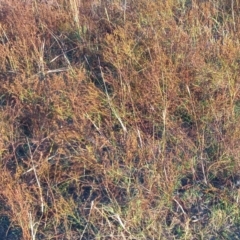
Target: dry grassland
119, 119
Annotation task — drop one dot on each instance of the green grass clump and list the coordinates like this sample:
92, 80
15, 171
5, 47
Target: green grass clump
119, 120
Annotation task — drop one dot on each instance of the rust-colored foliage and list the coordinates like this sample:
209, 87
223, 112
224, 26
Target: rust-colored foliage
119, 119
